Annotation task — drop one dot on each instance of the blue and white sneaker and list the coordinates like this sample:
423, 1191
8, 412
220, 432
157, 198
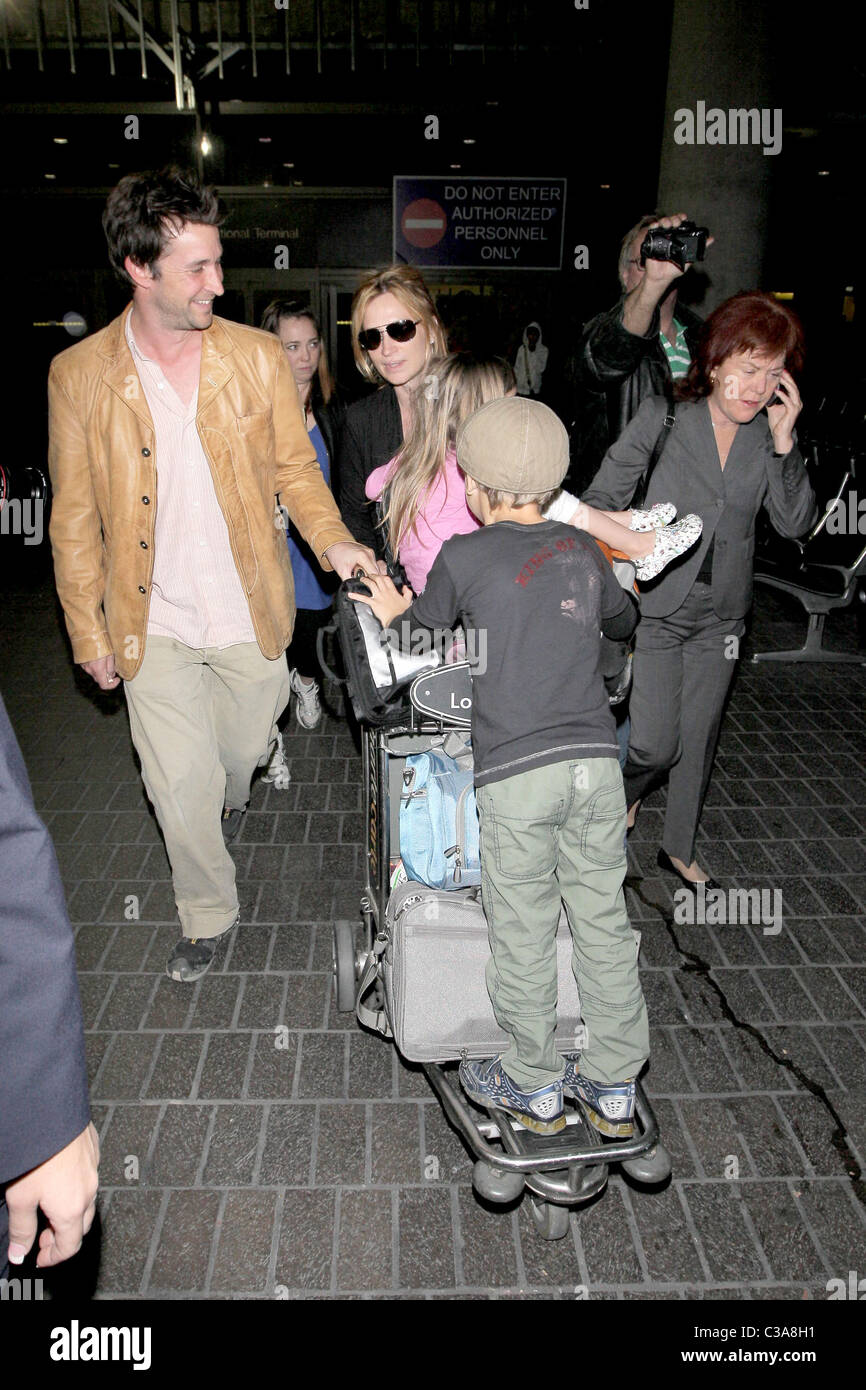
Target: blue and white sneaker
490, 1085
610, 1108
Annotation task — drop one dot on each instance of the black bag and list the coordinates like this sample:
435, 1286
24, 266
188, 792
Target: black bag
378, 674
658, 449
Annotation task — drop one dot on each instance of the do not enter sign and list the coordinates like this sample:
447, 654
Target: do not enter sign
424, 222
514, 223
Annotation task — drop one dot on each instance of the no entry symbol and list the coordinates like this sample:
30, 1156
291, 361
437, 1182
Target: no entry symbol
423, 222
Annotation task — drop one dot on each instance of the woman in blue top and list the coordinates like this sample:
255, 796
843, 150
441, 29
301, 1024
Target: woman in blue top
296, 326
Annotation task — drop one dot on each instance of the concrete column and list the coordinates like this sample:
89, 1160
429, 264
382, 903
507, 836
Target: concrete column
721, 58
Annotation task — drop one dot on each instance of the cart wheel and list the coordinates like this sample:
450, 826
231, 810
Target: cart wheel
550, 1220
496, 1184
344, 966
651, 1167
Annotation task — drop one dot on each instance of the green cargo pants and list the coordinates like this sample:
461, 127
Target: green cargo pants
557, 832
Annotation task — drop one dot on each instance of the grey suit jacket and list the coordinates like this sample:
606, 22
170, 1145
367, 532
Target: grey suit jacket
727, 500
43, 1082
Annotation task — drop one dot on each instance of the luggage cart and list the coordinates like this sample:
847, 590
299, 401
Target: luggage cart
559, 1171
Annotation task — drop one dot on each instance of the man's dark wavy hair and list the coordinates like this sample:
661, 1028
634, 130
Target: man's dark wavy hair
144, 210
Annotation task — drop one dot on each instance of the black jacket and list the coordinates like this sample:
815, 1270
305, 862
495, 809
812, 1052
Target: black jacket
727, 500
613, 373
371, 435
43, 1081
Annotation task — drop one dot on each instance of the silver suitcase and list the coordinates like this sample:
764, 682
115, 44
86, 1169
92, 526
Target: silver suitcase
433, 972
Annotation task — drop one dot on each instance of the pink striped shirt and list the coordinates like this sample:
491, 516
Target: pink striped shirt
197, 596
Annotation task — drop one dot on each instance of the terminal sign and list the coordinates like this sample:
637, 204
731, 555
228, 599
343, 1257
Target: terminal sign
508, 223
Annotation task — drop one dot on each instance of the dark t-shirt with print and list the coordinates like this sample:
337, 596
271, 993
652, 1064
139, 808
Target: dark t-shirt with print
533, 600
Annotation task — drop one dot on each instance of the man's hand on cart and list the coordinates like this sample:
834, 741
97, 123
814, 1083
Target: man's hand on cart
347, 556
385, 599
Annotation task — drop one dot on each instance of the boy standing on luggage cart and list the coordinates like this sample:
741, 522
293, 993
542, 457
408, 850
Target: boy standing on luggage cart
550, 796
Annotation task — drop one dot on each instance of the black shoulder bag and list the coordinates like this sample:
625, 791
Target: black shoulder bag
642, 488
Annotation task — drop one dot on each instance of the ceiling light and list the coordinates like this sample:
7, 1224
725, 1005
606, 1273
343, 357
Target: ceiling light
288, 166
264, 139
454, 166
60, 140
205, 146
822, 173
51, 176
604, 185
469, 140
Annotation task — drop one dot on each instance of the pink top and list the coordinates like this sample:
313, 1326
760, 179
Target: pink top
443, 514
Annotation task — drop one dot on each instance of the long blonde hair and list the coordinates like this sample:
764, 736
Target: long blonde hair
406, 284
455, 387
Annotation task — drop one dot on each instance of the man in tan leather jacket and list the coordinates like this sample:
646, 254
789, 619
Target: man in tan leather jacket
172, 433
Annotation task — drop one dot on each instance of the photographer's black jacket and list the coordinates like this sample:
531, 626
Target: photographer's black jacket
613, 373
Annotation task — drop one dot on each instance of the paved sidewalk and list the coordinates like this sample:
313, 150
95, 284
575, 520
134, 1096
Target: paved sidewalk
257, 1144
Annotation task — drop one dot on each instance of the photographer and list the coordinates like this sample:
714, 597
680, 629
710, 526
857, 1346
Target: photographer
634, 350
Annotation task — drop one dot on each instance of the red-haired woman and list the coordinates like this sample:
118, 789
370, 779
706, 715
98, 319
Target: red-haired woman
731, 451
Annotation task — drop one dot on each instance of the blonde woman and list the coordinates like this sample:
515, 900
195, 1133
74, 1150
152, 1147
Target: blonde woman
395, 333
422, 497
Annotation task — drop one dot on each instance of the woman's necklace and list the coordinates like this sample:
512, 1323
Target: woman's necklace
722, 424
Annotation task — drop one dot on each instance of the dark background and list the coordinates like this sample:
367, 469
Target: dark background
540, 89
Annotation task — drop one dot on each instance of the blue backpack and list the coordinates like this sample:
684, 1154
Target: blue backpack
439, 819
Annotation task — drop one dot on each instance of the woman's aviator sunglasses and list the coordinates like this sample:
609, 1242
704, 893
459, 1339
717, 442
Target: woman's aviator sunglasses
402, 331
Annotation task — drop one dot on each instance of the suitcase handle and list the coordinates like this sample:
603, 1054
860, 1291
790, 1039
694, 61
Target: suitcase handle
376, 1019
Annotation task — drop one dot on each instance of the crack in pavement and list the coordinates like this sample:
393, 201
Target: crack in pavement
694, 964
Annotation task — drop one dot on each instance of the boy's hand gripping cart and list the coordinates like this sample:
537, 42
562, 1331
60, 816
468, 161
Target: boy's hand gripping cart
412, 715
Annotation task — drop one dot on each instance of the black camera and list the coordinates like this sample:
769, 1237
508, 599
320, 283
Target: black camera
682, 244
22, 482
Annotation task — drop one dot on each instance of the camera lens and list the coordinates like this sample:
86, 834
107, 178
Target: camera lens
22, 482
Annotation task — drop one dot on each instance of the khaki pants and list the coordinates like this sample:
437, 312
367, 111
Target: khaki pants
554, 833
200, 721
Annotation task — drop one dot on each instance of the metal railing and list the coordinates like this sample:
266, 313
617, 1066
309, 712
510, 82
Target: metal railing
192, 41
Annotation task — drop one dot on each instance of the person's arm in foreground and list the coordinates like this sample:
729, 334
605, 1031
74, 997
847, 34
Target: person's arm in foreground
49, 1151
